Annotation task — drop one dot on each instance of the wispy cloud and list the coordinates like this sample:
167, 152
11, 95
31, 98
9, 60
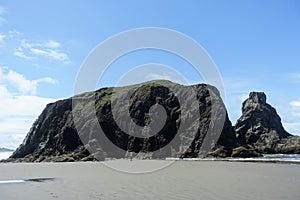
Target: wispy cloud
50, 53
49, 49
20, 53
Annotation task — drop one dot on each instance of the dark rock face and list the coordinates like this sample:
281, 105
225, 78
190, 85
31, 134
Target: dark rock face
261, 127
189, 128
54, 136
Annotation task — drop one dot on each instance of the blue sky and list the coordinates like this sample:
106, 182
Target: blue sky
255, 45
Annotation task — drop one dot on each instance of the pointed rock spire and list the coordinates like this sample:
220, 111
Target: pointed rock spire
259, 125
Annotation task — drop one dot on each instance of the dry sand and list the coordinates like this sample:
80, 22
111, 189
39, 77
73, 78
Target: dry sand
182, 180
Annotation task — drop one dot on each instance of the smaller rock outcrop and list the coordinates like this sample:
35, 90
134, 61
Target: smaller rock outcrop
246, 151
260, 126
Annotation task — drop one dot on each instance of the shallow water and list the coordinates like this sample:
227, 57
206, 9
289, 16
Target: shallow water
11, 181
39, 180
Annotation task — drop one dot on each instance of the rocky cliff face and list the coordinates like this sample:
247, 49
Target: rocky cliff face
55, 134
260, 127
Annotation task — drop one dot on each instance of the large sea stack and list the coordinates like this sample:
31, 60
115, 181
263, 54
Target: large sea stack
55, 137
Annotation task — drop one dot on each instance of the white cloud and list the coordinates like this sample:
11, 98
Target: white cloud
52, 44
27, 45
46, 80
19, 82
18, 110
2, 37
58, 55
20, 53
38, 51
18, 105
295, 103
51, 54
48, 49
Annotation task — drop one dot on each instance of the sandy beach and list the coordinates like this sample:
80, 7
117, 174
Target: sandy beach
180, 180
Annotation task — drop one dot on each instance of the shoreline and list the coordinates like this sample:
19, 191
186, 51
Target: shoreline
250, 160
229, 159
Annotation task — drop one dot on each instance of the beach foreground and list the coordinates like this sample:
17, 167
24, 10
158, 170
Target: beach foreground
180, 180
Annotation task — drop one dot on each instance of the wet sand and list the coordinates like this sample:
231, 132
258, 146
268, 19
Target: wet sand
181, 180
